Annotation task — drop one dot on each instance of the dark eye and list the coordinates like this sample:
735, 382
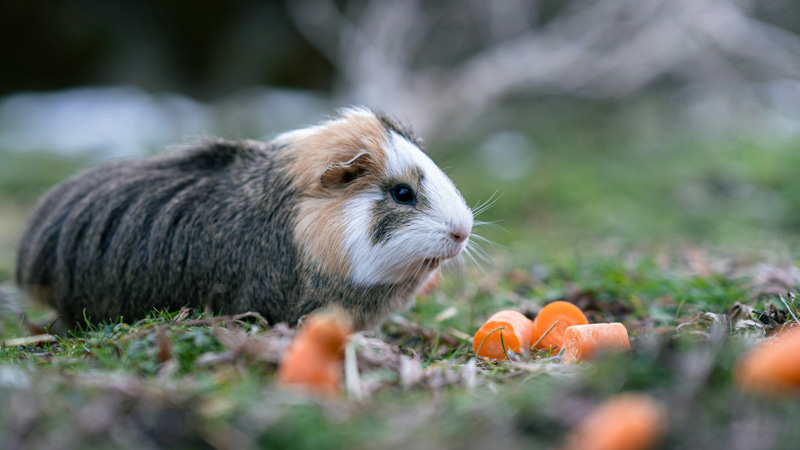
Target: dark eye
403, 194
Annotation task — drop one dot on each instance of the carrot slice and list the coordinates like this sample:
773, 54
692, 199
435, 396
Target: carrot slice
583, 342
566, 314
312, 361
623, 422
506, 331
773, 366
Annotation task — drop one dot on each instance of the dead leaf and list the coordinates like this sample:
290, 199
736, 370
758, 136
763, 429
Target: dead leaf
267, 347
447, 313
771, 280
407, 327
36, 341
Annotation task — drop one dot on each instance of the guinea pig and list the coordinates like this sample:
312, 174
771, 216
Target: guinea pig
350, 213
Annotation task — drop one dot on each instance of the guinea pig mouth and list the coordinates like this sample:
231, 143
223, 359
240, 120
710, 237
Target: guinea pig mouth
432, 263
436, 261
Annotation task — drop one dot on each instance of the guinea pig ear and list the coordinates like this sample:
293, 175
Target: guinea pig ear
341, 174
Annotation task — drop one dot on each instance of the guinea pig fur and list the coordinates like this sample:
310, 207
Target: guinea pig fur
349, 213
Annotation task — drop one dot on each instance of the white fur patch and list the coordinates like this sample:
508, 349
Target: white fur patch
426, 236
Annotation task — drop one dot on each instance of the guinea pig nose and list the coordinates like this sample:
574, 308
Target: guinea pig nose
459, 234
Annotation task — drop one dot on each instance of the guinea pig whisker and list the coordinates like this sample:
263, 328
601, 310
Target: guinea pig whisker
408, 264
479, 238
479, 206
491, 224
476, 241
403, 277
471, 247
481, 254
476, 244
390, 288
482, 207
418, 269
468, 252
457, 264
480, 258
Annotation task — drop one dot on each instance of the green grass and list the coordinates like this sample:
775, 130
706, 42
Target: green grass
209, 384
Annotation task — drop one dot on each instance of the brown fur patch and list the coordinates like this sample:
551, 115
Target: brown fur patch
320, 211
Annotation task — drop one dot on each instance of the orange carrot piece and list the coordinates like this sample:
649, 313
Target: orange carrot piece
516, 331
773, 366
583, 342
566, 314
623, 422
312, 361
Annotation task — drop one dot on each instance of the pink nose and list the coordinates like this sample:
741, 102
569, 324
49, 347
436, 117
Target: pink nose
459, 234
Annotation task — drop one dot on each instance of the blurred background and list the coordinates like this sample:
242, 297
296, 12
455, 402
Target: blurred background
629, 122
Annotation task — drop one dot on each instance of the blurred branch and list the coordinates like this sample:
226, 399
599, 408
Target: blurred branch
591, 48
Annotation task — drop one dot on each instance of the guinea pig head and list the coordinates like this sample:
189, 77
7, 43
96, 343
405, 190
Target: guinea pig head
375, 208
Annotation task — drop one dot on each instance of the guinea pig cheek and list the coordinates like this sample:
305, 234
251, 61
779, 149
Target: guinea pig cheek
321, 230
388, 219
379, 242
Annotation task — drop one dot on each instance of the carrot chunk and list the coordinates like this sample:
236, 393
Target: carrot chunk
623, 422
773, 366
566, 314
505, 329
582, 342
312, 361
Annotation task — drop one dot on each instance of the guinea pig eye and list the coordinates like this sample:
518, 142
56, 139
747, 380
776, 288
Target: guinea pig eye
403, 194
